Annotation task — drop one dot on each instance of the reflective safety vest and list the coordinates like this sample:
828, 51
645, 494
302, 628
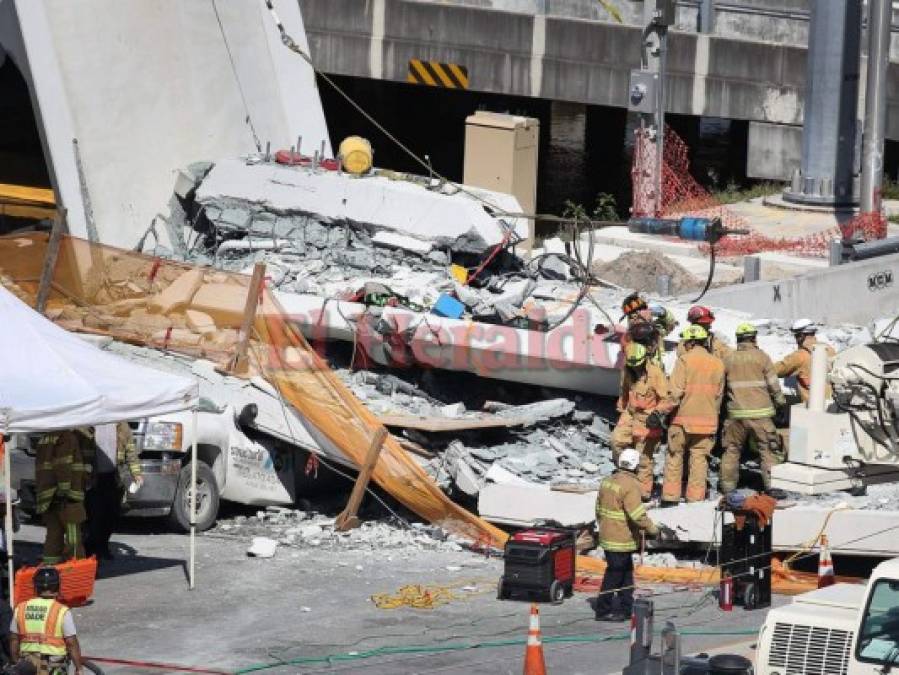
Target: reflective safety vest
752, 385
621, 513
39, 622
697, 387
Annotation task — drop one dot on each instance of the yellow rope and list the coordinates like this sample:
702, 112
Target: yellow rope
807, 546
421, 596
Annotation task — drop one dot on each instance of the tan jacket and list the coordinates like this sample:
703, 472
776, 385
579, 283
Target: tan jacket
799, 363
752, 385
719, 347
697, 388
621, 514
640, 396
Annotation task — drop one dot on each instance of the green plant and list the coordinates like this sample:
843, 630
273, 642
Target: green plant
732, 192
890, 189
604, 208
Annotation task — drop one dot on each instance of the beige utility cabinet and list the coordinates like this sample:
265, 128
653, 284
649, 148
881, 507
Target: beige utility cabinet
501, 155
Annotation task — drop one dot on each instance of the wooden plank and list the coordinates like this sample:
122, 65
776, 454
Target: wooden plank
27, 194
43, 289
239, 361
347, 519
27, 211
414, 448
440, 424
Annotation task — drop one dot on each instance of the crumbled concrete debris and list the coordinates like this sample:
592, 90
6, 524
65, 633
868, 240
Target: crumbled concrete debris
262, 547
293, 528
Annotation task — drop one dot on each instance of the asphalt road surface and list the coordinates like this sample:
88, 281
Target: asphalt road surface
290, 613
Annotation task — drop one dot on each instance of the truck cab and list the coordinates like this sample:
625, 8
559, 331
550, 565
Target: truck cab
844, 629
252, 449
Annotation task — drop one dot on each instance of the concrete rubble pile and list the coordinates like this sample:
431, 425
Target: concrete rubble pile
397, 230
294, 528
556, 441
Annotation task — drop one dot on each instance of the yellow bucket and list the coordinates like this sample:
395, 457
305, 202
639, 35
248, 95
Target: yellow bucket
355, 155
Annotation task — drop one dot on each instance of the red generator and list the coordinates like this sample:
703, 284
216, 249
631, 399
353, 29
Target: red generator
539, 566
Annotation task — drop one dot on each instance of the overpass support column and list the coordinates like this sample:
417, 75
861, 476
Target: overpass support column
828, 173
880, 18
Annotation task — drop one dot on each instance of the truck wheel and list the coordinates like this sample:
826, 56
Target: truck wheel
207, 499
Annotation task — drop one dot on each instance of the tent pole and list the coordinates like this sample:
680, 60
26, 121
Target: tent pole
193, 501
8, 519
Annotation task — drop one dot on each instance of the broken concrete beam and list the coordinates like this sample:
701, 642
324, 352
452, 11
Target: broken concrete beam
402, 241
441, 216
522, 506
178, 294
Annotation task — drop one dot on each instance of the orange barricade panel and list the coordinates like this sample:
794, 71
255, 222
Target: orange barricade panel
76, 582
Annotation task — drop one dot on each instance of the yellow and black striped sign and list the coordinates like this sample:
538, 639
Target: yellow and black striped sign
436, 74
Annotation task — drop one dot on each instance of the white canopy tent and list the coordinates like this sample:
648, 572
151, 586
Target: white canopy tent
51, 379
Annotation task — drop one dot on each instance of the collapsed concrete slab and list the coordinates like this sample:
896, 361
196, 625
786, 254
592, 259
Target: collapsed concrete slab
466, 220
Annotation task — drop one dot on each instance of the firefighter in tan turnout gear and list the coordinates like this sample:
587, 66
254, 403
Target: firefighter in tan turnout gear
799, 363
695, 393
61, 475
621, 516
643, 401
753, 395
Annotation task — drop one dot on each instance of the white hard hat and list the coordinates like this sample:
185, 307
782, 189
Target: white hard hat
805, 326
629, 460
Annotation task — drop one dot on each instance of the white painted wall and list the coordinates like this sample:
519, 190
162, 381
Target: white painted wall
148, 86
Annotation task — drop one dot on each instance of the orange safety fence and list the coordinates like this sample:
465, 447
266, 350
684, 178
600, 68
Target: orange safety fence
197, 311
683, 195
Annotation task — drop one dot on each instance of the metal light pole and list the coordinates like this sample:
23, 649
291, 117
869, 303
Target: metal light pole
647, 86
880, 17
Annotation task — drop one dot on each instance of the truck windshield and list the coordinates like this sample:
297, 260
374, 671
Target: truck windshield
878, 640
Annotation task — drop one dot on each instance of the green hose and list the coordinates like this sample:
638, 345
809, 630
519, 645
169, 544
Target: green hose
460, 646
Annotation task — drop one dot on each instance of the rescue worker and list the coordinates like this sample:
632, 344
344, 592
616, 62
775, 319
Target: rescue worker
61, 476
799, 363
42, 632
663, 319
644, 390
621, 517
703, 316
753, 396
695, 394
641, 328
116, 454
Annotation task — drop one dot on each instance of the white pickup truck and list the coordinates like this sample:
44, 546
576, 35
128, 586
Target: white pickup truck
844, 629
252, 447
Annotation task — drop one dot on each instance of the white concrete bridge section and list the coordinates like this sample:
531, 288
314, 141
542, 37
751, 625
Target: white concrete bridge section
857, 293
519, 47
149, 86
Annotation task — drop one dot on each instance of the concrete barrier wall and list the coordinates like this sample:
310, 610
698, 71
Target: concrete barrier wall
549, 50
853, 293
149, 86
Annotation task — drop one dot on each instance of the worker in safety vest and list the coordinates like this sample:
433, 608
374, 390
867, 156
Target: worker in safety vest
753, 394
695, 393
799, 363
642, 402
61, 475
641, 328
115, 464
621, 517
703, 316
42, 635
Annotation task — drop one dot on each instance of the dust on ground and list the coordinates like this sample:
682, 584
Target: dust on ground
640, 270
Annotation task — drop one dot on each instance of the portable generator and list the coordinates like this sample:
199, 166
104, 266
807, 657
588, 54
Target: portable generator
539, 565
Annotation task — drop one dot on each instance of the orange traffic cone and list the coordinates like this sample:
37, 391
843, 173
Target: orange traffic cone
826, 576
533, 655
